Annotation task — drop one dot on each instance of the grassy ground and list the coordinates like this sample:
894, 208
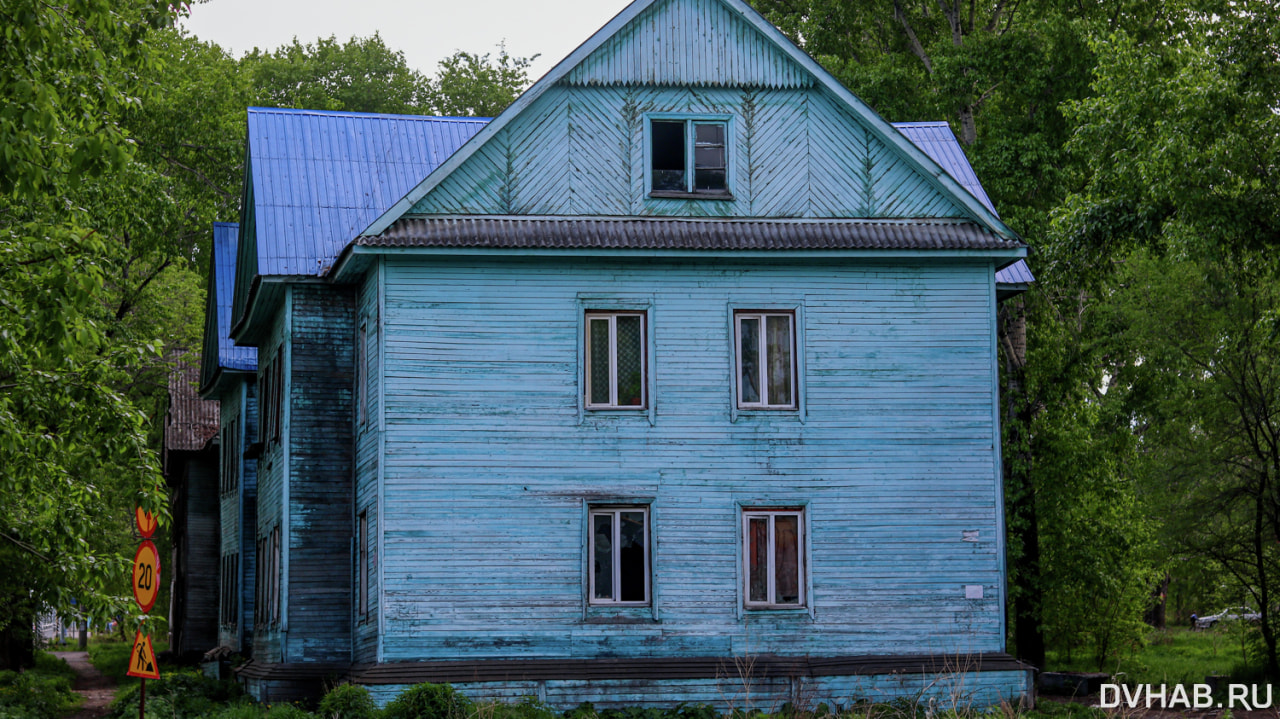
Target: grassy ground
1171, 656
42, 692
112, 658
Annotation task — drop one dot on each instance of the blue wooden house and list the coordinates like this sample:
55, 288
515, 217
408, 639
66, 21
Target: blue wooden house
674, 382
228, 374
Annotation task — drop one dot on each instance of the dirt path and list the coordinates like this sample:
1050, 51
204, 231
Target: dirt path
97, 689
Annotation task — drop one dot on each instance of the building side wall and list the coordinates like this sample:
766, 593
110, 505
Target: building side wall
368, 440
320, 472
233, 531
793, 152
248, 516
490, 463
269, 637
199, 580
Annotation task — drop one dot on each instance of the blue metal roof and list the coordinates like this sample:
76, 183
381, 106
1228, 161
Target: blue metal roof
230, 356
940, 144
319, 178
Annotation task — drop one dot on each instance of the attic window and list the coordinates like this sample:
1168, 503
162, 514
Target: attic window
688, 158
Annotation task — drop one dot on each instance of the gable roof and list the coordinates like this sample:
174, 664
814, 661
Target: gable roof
220, 352
940, 143
775, 40
190, 421
320, 177
314, 179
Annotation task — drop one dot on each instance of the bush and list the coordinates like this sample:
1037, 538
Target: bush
429, 701
37, 694
242, 709
288, 711
178, 695
527, 708
348, 701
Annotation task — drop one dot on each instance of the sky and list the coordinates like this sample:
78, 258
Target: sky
425, 30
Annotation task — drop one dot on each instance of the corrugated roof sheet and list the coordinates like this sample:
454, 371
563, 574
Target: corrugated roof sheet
319, 178
940, 144
191, 421
224, 273
683, 234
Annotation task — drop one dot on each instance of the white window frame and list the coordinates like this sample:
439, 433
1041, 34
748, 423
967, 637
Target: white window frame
771, 579
763, 364
616, 512
612, 317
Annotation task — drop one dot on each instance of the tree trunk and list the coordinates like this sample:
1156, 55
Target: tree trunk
1028, 637
17, 642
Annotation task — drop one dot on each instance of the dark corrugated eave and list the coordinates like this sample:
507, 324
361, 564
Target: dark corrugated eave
686, 234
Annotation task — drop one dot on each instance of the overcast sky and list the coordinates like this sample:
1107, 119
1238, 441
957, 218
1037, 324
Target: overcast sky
425, 30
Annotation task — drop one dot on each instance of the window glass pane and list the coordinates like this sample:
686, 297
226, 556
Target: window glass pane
602, 536
749, 359
778, 346
630, 361
668, 156
708, 157
758, 559
631, 557
708, 133
599, 330
786, 558
709, 180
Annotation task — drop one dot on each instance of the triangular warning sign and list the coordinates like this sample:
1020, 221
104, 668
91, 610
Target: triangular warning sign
142, 662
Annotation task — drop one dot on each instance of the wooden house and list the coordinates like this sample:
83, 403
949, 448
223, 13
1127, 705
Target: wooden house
190, 462
228, 374
676, 381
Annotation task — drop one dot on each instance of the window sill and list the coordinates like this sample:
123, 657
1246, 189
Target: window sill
703, 195
610, 614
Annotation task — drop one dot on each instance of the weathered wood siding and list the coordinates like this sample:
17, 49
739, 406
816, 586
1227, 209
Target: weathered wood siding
229, 513
488, 461
268, 639
249, 515
368, 441
198, 583
318, 433
792, 153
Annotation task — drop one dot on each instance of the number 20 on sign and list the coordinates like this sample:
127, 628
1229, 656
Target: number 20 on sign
146, 575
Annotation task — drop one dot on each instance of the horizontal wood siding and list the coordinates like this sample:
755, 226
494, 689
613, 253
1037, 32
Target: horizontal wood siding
487, 466
738, 688
268, 640
232, 531
320, 470
199, 583
249, 517
365, 636
793, 153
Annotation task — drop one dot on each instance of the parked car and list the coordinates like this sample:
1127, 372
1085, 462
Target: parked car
1228, 614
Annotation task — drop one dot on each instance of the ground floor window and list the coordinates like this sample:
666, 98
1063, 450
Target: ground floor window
229, 602
773, 552
619, 555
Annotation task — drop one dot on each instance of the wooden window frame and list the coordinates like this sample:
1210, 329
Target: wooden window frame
612, 317
762, 353
362, 375
362, 565
690, 120
229, 475
616, 512
802, 553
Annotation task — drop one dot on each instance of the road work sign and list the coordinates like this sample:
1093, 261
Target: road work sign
142, 662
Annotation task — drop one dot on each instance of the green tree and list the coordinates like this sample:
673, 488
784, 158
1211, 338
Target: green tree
468, 85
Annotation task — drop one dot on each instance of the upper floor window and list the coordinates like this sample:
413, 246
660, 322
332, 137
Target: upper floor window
615, 360
766, 364
231, 457
689, 158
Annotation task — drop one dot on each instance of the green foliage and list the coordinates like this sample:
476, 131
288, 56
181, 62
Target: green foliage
428, 701
287, 711
348, 701
42, 693
362, 75
470, 85
177, 695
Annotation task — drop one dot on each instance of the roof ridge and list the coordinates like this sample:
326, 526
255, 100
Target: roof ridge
254, 109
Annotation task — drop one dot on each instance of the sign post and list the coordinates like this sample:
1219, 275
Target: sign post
146, 587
